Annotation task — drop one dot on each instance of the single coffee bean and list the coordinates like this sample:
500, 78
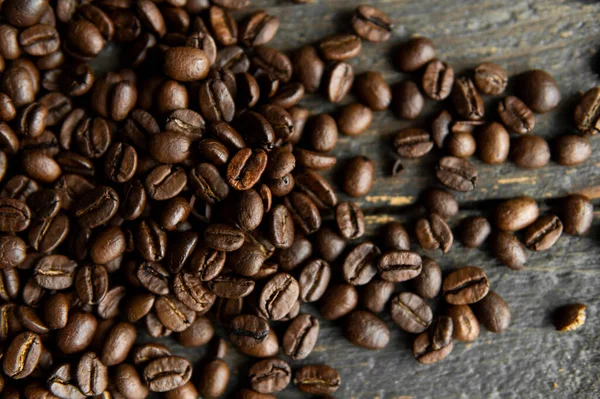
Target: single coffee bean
366, 330
467, 100
338, 301
24, 13
323, 132
167, 373
340, 47
490, 79
339, 81
165, 182
399, 266
350, 220
354, 119
474, 231
424, 352
208, 183
108, 245
97, 206
186, 121
304, 212
169, 147
232, 58
314, 279
259, 29
461, 144
248, 330
587, 112
186, 64
189, 290
456, 173
91, 283
223, 26
292, 257
375, 295
538, 90
118, 343
317, 379
134, 200
248, 90
577, 214
273, 62
138, 305
441, 332
308, 68
314, 160
414, 54
288, 95
412, 143
230, 287
441, 202
359, 176
40, 167
32, 119
279, 119
408, 100
371, 24
92, 374
438, 79
198, 334
433, 233
142, 354
329, 244
318, 189
77, 335
516, 214
109, 305
10, 285
128, 382
175, 213
543, 233
278, 296
569, 317
223, 237
373, 90
466, 326
14, 252
515, 115
62, 383
301, 336
465, 286
153, 276
173, 314
572, 150
268, 348
55, 272
508, 250
246, 168
270, 375
395, 237
216, 101
360, 265
493, 143
213, 379
150, 241
429, 282
493, 312
410, 312
22, 355
39, 40
206, 263
18, 188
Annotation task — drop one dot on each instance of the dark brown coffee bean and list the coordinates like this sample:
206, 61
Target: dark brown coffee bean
412, 143
587, 117
207, 263
8, 111
134, 200
120, 163
258, 29
109, 305
15, 215
366, 330
167, 373
456, 173
137, 306
395, 237
246, 168
465, 324
153, 277
461, 144
273, 62
278, 296
187, 122
248, 330
474, 231
40, 167
354, 119
270, 375
91, 284
14, 251
508, 250
314, 160
223, 237
572, 150
216, 101
279, 119
360, 265
441, 202
570, 317
208, 184
493, 312
493, 143
399, 266
438, 79
83, 39
39, 40
232, 58
373, 90
433, 233
173, 314
577, 214
292, 257
180, 249
223, 25
248, 91
77, 334
213, 379
429, 282
490, 78
32, 119
339, 81
198, 334
314, 280
97, 207
410, 312
375, 295
154, 327
317, 379
308, 68
538, 90
516, 214
169, 147
340, 47
18, 188
128, 382
150, 241
55, 272
359, 176
288, 95
467, 100
186, 64
515, 115
301, 336
304, 212
22, 355
230, 287
408, 100
350, 220
92, 374
371, 24
543, 233
466, 285
189, 290
118, 343
414, 54
165, 182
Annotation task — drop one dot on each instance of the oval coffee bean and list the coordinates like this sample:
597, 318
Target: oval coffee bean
77, 335
173, 314
465, 286
414, 54
466, 326
305, 213
350, 220
248, 330
410, 312
91, 284
270, 375
543, 233
397, 266
516, 214
213, 379
366, 330
395, 237
586, 113
577, 214
259, 29
314, 279
408, 100
300, 337
15, 215
371, 24
97, 206
434, 233
474, 231
359, 176
493, 312
375, 295
22, 355
340, 47
456, 173
515, 115
438, 79
360, 265
339, 81
278, 296
317, 379
467, 100
530, 152
188, 289
509, 250
223, 237
353, 119
493, 143
231, 287
55, 272
167, 373
373, 90
572, 150
490, 79
412, 143
538, 90
429, 282
245, 168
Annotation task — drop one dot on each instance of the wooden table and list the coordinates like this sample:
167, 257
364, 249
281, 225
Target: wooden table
531, 359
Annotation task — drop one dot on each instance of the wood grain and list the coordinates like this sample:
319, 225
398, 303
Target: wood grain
530, 360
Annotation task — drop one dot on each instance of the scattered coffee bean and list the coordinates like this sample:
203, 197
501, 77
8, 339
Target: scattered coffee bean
570, 317
577, 214
493, 312
410, 312
474, 231
538, 90
466, 285
490, 79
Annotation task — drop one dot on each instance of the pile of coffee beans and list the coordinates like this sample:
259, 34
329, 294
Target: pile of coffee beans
181, 191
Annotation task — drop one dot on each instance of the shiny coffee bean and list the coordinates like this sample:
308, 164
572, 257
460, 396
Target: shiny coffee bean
360, 265
438, 79
586, 113
515, 115
538, 90
278, 296
373, 90
371, 24
433, 233
466, 285
399, 266
410, 312
340, 77
366, 330
577, 214
408, 101
414, 54
300, 337
317, 379
490, 79
571, 150
467, 100
493, 312
474, 231
493, 143
456, 173
412, 143
354, 119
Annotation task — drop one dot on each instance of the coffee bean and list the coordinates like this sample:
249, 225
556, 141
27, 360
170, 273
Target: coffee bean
360, 265
373, 90
493, 143
438, 79
165, 182
412, 143
304, 212
18, 188
350, 220
317, 379
340, 47
587, 116
474, 231
354, 119
216, 101
366, 330
408, 100
248, 331
433, 233
230, 287
461, 144
173, 314
570, 317
92, 374
186, 64
278, 296
189, 290
466, 285
441, 202
270, 375
515, 115
456, 173
32, 119
308, 68
22, 355
359, 176
467, 100
77, 334
317, 188
572, 150
399, 266
97, 207
414, 54
538, 90
395, 237
223, 25
153, 276
371, 24
91, 283
273, 62
208, 184
213, 379
109, 305
424, 352
174, 214
314, 279
55, 272
323, 133
206, 263
410, 312
543, 233
259, 29
39, 40
292, 257
509, 250
466, 326
339, 79
577, 214
493, 312
151, 241
516, 214
137, 306
246, 168
314, 160
14, 252
24, 14
118, 343
428, 283
490, 79
167, 373
375, 295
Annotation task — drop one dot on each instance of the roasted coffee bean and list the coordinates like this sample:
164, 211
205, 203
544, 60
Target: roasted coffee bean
268, 348
71, 162
173, 314
317, 379
92, 374
83, 39
175, 212
570, 317
48, 234
350, 220
198, 334
461, 144
375, 295
137, 306
232, 58
339, 80
288, 95
438, 79
408, 100
223, 25
180, 249
155, 328
150, 241
213, 379
186, 64
108, 245
493, 143
187, 122
359, 176
8, 111
428, 283
55, 272
456, 173
441, 202
167, 373
577, 214
223, 237
77, 334
39, 40
329, 244
10, 286
354, 119
414, 54
270, 375
371, 24
230, 287
207, 263
91, 284
32, 119
543, 233
120, 162
248, 91
304, 212
24, 13
189, 290
216, 101
279, 119
395, 237
169, 147
259, 132
258, 29
22, 355
366, 330
424, 351
154, 277
360, 265
465, 324
440, 332
40, 167
508, 250
213, 151
516, 214
538, 90
292, 257
587, 117
165, 182
134, 200
466, 285
490, 79
59, 106
97, 206
493, 312
319, 190
572, 150
128, 382
515, 115
109, 305
18, 188
208, 184
340, 47
314, 279
9, 141
314, 160
467, 100
410, 312
322, 132
278, 296
118, 343
399, 266
62, 383
18, 83
433, 233
273, 62
301, 336
373, 90
412, 143
474, 231
248, 330
245, 168
308, 68
14, 252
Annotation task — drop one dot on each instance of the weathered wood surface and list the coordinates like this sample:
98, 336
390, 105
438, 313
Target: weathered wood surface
530, 360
